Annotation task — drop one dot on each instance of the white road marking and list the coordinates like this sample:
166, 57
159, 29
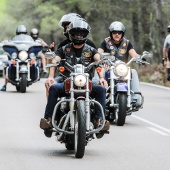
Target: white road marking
158, 131
151, 123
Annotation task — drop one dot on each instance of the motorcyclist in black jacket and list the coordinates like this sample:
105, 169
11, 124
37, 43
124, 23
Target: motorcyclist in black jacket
64, 23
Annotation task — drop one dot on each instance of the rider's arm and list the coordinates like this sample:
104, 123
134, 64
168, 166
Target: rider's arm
53, 69
133, 53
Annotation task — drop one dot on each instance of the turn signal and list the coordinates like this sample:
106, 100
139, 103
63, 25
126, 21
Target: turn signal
14, 62
61, 69
31, 62
98, 69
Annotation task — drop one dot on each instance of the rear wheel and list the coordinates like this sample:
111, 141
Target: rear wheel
121, 115
80, 130
23, 83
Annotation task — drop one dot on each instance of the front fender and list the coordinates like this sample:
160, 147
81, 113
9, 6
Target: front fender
122, 87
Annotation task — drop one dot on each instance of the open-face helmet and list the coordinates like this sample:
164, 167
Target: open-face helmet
116, 26
21, 29
34, 33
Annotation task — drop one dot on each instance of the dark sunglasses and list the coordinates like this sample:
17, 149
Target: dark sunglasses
117, 32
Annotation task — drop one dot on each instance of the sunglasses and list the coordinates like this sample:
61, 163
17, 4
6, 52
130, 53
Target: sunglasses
116, 32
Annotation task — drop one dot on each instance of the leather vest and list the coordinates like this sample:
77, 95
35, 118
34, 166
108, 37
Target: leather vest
120, 52
86, 56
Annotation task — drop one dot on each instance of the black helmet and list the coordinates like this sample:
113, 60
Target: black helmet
78, 26
21, 29
34, 33
168, 28
66, 20
116, 26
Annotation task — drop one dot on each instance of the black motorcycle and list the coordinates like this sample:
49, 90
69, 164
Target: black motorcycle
74, 124
22, 69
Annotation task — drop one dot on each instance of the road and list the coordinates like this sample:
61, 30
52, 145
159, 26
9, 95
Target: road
143, 143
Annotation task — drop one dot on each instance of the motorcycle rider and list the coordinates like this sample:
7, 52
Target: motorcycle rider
166, 52
63, 23
117, 45
21, 29
78, 32
35, 35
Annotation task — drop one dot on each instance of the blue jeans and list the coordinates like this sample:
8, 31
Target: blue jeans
57, 90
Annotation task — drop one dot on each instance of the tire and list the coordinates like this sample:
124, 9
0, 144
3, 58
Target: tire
121, 116
80, 130
23, 83
18, 88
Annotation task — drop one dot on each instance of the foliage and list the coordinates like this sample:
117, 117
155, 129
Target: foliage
143, 21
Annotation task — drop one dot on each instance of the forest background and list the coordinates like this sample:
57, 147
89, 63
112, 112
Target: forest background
145, 21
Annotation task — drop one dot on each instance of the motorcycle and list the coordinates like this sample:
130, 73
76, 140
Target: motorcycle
119, 94
22, 69
76, 127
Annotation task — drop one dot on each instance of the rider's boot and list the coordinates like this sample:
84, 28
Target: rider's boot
3, 88
46, 125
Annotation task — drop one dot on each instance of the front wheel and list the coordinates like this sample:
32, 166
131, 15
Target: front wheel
80, 130
23, 83
121, 114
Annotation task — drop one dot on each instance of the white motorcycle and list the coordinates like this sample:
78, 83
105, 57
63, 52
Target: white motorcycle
119, 94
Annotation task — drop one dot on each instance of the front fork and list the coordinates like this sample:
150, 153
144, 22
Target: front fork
25, 68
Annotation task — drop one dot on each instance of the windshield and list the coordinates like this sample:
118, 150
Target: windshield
22, 38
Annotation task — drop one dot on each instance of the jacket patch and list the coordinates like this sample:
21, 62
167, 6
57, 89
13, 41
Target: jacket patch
122, 51
87, 54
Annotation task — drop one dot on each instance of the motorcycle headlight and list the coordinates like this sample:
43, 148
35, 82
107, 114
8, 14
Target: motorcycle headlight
121, 70
14, 56
32, 56
80, 80
23, 55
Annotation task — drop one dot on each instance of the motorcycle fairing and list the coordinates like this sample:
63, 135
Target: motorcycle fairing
10, 49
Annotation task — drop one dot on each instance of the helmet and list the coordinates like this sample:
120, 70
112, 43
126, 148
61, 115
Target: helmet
34, 33
116, 26
66, 20
78, 26
168, 28
21, 29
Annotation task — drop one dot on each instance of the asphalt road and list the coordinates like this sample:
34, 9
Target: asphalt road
143, 143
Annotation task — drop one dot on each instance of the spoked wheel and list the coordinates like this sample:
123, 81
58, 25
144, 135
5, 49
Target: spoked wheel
121, 114
80, 130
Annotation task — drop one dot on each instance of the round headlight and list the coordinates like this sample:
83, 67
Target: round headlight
14, 55
121, 70
32, 56
23, 55
80, 81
